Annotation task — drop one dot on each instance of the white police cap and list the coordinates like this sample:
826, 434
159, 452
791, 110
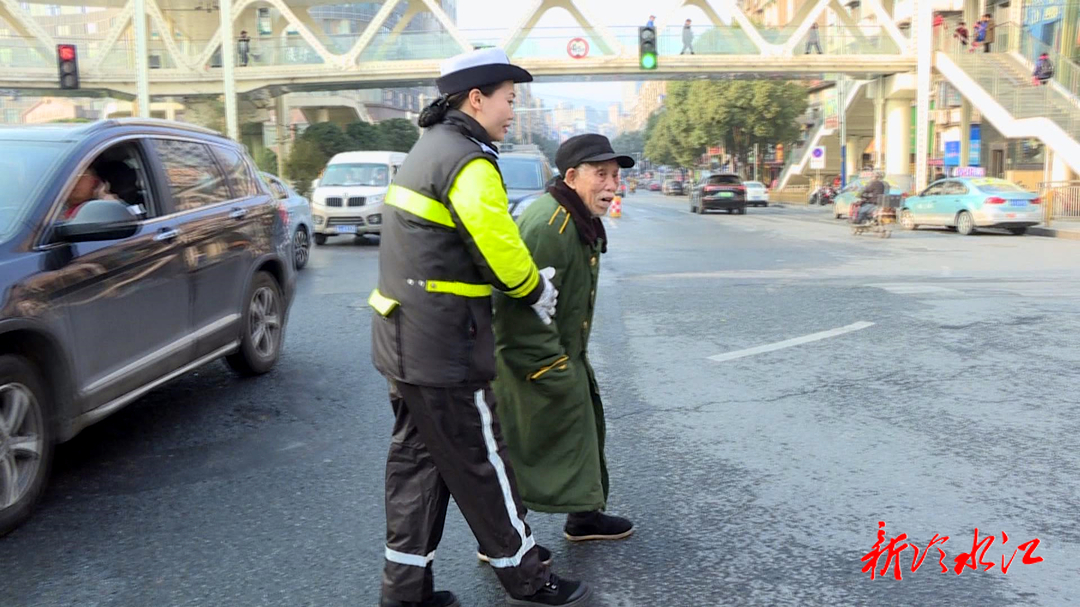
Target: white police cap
477, 69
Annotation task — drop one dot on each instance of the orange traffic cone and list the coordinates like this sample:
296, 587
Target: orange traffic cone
616, 207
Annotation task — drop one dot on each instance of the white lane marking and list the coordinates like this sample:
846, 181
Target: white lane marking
291, 446
912, 289
611, 225
780, 345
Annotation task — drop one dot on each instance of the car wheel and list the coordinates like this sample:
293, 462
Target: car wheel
907, 220
320, 239
765, 204
1018, 231
262, 327
26, 441
301, 247
965, 224
740, 211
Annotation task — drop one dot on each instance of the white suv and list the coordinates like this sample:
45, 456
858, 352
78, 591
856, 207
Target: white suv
349, 196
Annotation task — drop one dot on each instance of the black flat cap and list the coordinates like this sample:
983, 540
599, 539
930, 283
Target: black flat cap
588, 148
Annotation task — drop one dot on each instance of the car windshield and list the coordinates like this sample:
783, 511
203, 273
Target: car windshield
24, 167
356, 174
997, 186
521, 173
724, 180
755, 184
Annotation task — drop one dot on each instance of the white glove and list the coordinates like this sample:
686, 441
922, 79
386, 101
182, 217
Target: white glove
545, 306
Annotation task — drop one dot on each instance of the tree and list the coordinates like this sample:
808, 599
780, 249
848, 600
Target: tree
364, 135
266, 160
632, 142
736, 114
304, 164
397, 135
328, 138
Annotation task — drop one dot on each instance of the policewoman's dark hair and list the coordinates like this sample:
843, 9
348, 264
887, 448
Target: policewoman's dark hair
434, 113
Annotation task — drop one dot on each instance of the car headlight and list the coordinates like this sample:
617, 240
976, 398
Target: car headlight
376, 198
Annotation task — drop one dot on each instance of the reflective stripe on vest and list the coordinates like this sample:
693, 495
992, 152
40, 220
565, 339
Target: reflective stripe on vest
382, 304
419, 205
461, 289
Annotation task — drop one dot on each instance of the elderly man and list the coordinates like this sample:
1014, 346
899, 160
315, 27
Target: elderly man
548, 400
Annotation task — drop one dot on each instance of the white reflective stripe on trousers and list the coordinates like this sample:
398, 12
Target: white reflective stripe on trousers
415, 560
504, 483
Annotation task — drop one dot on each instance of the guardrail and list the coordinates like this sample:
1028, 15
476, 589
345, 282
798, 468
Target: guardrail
796, 194
1061, 199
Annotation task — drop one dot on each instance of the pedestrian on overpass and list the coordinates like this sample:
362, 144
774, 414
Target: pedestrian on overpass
687, 39
447, 240
651, 22
549, 400
1044, 70
813, 39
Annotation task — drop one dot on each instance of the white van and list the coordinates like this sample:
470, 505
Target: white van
348, 198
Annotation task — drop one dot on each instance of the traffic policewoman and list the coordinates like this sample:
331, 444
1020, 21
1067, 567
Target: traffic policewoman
447, 241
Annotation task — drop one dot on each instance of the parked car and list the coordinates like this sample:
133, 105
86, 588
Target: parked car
350, 193
757, 194
526, 175
719, 191
969, 203
131, 252
850, 193
654, 186
672, 187
299, 209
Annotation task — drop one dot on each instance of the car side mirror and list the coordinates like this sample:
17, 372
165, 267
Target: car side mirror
98, 220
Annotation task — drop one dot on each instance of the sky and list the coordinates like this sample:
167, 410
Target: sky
506, 14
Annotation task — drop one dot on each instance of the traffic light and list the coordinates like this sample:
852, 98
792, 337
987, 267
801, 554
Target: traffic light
68, 62
647, 47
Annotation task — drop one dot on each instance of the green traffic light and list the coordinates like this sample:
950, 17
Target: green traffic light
648, 61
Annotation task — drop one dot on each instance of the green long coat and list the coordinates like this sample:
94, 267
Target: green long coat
548, 402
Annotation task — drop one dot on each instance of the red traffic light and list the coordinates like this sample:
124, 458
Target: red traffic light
66, 51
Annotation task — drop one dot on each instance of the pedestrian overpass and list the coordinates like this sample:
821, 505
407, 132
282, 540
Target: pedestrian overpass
149, 56
384, 57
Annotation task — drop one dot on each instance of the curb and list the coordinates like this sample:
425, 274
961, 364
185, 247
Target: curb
1054, 233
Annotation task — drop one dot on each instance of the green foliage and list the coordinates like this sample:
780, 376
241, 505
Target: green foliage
397, 135
629, 143
266, 160
733, 113
305, 162
364, 135
328, 138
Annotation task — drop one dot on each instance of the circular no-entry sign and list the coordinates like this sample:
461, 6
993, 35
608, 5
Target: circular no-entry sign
577, 48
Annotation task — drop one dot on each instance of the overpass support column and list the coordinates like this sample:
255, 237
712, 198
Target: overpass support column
898, 140
922, 35
142, 59
228, 64
281, 117
965, 133
879, 116
855, 147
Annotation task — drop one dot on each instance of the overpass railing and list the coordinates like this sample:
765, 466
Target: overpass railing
540, 43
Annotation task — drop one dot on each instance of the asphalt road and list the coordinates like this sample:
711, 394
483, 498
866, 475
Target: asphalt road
755, 479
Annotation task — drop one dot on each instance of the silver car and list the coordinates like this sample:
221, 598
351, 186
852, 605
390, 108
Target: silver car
299, 209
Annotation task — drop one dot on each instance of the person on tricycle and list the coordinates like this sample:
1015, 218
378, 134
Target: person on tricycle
870, 198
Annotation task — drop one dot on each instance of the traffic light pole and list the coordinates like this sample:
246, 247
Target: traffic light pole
142, 53
228, 62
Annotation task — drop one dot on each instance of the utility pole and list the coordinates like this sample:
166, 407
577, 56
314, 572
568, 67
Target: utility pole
841, 107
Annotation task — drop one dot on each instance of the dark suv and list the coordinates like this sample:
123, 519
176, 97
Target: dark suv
131, 252
720, 191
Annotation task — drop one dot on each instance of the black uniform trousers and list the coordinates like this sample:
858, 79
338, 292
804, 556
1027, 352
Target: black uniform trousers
447, 442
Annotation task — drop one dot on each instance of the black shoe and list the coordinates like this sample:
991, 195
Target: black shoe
545, 555
555, 592
583, 526
439, 599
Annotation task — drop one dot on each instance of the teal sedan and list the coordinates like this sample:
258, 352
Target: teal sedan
970, 203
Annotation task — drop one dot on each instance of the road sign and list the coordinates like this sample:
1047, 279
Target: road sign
577, 48
969, 172
817, 157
